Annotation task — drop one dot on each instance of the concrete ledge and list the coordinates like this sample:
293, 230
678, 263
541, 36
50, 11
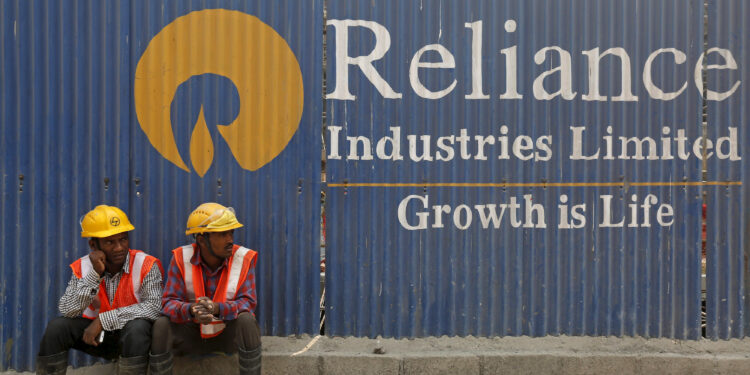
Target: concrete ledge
599, 364
459, 363
469, 355
360, 365
282, 363
520, 364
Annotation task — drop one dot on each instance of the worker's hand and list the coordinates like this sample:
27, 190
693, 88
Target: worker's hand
91, 332
200, 314
210, 306
196, 309
97, 260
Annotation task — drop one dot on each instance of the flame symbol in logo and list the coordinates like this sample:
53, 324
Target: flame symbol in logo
243, 49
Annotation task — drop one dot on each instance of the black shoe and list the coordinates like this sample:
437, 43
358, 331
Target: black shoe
132, 365
160, 364
55, 364
249, 361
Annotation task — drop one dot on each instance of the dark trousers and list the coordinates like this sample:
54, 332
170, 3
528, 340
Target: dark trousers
185, 338
133, 340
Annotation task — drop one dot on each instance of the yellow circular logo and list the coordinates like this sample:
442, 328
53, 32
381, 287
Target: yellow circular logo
243, 49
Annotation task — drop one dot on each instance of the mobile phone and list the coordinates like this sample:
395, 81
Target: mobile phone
100, 338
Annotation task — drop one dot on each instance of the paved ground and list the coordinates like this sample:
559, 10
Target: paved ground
511, 355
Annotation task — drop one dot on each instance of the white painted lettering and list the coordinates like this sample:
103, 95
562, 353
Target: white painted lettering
343, 60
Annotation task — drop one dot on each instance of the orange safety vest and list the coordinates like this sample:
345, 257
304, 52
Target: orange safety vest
128, 290
231, 278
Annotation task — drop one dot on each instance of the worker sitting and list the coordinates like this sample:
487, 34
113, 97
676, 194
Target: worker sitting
112, 299
209, 297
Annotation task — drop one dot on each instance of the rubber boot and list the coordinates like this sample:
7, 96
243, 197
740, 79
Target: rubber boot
249, 361
55, 364
160, 364
132, 365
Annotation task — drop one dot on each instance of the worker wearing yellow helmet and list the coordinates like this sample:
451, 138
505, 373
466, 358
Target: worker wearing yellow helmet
209, 297
111, 300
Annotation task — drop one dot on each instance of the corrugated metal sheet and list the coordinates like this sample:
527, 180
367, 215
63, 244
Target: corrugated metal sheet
82, 124
383, 279
727, 229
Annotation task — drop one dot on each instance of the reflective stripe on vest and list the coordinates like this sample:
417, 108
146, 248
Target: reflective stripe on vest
235, 272
212, 329
136, 268
234, 279
187, 269
86, 267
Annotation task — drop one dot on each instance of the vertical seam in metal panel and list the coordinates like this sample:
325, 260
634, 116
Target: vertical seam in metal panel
16, 209
46, 181
99, 84
743, 233
132, 125
711, 329
30, 181
5, 131
323, 156
60, 174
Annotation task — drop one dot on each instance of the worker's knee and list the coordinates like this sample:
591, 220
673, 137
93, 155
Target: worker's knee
249, 332
58, 326
247, 323
247, 319
161, 336
161, 327
135, 338
65, 329
137, 327
61, 333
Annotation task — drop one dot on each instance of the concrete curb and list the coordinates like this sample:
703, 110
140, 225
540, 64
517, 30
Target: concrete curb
470, 355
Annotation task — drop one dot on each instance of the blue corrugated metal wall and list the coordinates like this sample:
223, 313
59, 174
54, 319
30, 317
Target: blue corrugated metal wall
727, 241
70, 139
383, 279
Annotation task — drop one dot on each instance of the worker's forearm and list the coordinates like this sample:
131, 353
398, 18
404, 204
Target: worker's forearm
79, 294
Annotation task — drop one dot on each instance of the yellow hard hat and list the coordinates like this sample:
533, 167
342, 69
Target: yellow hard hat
212, 217
104, 221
